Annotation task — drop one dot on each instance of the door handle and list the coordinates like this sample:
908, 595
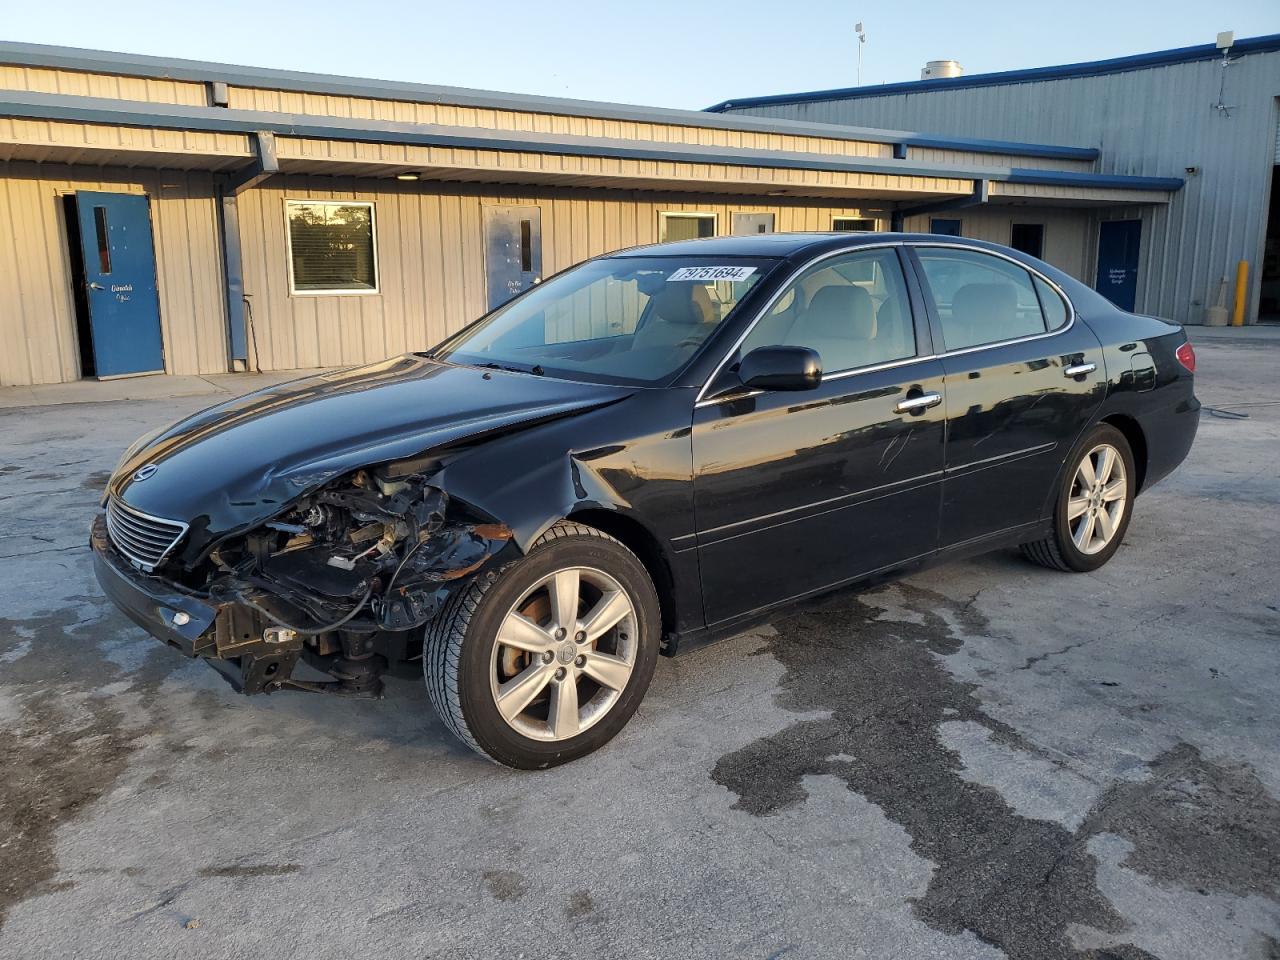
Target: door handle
918, 404
1079, 369
94, 285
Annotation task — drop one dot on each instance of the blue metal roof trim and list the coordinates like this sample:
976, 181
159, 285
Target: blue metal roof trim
1065, 178
52, 106
73, 58
1094, 68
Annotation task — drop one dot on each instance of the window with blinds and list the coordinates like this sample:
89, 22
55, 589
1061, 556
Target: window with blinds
331, 247
686, 226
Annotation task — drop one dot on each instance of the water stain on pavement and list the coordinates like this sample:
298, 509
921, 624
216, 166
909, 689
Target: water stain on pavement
1015, 882
506, 885
96, 480
239, 871
65, 750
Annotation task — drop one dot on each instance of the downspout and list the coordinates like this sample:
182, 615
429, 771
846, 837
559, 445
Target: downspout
229, 187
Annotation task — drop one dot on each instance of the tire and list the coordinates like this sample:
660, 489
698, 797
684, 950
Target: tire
468, 670
1062, 549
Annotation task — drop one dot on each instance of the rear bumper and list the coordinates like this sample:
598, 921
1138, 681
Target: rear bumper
1170, 432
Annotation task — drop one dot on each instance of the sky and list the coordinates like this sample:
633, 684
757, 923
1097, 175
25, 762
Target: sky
657, 52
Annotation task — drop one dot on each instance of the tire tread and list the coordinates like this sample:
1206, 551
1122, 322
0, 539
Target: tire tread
446, 633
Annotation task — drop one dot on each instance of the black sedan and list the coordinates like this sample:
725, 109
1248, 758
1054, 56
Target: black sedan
648, 451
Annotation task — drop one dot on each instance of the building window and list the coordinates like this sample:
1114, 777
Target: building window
332, 247
853, 224
686, 226
1029, 238
944, 227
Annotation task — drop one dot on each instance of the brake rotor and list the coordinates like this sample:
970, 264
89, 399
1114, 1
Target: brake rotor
511, 661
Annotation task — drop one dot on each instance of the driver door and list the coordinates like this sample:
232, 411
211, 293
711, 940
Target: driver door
796, 491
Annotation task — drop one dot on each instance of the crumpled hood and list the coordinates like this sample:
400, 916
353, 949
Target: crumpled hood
240, 462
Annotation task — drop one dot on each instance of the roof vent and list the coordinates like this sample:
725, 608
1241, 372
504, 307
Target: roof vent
941, 70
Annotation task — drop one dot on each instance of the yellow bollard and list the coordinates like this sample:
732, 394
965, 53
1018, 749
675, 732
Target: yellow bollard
1242, 293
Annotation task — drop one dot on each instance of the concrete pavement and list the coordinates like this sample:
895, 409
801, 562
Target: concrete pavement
987, 760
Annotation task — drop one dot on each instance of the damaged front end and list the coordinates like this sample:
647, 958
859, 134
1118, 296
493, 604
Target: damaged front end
344, 579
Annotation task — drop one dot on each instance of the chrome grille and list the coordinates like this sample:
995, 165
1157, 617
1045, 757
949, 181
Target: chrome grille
144, 540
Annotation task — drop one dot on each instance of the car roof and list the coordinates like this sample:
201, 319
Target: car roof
788, 244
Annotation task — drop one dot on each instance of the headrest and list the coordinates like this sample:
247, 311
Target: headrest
990, 301
683, 303
840, 310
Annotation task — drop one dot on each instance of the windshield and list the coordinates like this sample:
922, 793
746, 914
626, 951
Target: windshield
617, 320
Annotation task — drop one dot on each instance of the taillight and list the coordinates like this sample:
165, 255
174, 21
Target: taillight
1186, 356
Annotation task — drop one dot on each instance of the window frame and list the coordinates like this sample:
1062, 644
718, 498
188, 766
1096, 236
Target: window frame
910, 310
663, 215
930, 304
921, 305
920, 320
337, 291
874, 221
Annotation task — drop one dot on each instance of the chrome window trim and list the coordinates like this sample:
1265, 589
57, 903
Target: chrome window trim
852, 371
838, 375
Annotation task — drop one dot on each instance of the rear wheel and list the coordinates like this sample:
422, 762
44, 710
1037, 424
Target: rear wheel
1093, 507
547, 660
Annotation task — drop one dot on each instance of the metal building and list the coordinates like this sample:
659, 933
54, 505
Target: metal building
170, 216
1205, 113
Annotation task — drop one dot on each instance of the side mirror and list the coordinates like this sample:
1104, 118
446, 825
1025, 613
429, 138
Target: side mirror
781, 368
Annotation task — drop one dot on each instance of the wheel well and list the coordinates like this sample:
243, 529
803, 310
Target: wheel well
642, 543
1137, 443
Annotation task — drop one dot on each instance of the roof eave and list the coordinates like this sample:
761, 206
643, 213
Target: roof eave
163, 68
1139, 61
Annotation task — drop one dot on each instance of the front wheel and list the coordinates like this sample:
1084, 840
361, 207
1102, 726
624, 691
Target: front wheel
547, 660
1093, 507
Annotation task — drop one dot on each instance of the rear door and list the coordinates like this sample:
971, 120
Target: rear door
1023, 379
120, 283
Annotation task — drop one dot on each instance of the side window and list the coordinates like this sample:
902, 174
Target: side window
854, 310
1055, 310
980, 298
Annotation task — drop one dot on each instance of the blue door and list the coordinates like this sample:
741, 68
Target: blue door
120, 283
512, 251
1118, 245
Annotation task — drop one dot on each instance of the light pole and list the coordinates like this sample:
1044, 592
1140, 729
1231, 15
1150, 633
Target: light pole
862, 38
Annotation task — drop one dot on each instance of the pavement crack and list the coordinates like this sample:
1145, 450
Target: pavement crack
1042, 657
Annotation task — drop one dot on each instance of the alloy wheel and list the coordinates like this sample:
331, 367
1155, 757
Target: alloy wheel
564, 653
1098, 499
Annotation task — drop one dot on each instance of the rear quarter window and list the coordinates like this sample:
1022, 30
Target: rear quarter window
1055, 308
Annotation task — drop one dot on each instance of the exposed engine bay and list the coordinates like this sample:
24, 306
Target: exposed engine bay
344, 579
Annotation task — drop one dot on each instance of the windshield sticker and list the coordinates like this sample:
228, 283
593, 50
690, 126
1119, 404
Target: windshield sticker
712, 273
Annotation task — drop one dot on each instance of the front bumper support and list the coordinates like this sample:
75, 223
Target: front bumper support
226, 635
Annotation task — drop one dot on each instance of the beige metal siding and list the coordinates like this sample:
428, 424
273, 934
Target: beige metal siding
102, 143
961, 157
1066, 232
84, 84
457, 163
431, 258
311, 104
38, 342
